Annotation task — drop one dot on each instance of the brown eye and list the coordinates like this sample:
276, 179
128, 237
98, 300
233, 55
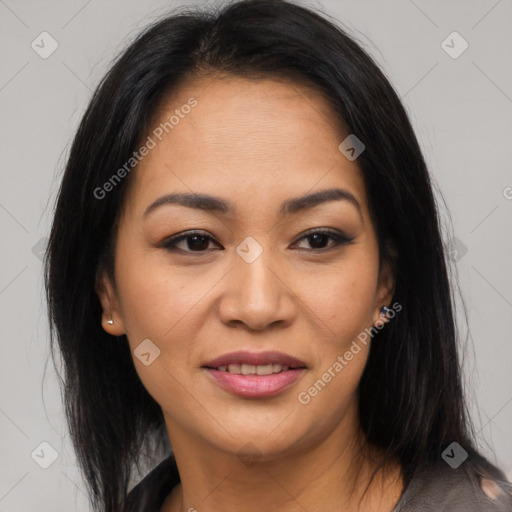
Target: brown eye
190, 242
197, 242
318, 239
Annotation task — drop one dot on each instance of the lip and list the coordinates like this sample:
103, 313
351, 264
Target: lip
255, 386
255, 358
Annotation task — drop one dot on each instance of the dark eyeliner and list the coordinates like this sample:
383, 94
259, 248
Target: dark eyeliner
339, 239
170, 243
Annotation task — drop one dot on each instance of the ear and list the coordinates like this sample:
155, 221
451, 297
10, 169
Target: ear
385, 286
107, 295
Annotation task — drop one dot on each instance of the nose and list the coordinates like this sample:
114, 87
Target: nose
257, 295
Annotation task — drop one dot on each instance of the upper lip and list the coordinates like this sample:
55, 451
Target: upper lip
255, 358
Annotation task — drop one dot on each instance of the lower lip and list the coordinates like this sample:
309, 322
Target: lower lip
258, 386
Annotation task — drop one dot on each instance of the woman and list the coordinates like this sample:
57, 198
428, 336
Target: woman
246, 264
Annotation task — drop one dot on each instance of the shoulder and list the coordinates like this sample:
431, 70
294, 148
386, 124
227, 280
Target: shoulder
150, 493
454, 490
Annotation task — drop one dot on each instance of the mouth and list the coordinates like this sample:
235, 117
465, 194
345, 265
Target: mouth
255, 375
251, 363
251, 369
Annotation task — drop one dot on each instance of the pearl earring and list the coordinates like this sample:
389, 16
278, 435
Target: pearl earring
110, 322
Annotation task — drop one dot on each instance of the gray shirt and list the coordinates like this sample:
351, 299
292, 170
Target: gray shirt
450, 490
435, 490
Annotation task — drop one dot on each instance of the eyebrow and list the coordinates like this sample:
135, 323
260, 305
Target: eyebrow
210, 203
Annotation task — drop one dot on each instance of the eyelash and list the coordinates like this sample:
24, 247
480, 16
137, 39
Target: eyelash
170, 243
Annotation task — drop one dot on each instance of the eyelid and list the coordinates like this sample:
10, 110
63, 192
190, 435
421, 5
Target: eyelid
339, 237
170, 242
324, 231
336, 235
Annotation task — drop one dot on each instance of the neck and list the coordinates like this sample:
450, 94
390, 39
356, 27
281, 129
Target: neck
332, 474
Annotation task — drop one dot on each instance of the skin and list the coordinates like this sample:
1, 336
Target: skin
255, 143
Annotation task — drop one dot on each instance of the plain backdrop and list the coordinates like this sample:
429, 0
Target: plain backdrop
461, 108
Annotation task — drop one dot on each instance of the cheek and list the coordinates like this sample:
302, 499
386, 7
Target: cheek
163, 305
154, 298
343, 298
167, 304
342, 302
144, 296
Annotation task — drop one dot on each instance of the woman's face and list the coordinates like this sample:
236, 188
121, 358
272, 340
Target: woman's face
256, 279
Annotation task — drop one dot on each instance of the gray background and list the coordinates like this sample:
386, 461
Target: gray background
461, 109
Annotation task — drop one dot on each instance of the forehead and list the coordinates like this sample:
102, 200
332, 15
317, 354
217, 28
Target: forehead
264, 136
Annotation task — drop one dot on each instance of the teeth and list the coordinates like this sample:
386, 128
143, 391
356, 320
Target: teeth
251, 369
265, 370
248, 369
234, 368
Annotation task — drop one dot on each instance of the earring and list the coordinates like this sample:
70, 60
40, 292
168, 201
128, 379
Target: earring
384, 311
110, 322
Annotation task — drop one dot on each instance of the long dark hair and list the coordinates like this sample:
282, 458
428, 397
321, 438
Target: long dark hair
410, 394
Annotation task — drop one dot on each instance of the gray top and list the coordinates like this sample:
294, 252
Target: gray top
451, 490
442, 489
